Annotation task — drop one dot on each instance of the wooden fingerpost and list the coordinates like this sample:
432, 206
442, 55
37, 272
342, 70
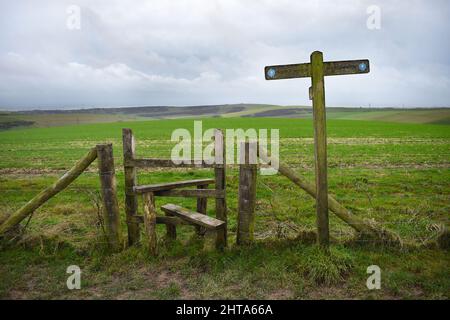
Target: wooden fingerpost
247, 195
219, 172
317, 69
131, 201
150, 222
201, 208
320, 147
109, 195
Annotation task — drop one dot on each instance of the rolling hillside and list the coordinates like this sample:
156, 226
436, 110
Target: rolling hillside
47, 118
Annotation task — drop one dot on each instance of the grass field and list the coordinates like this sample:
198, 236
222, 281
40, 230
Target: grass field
395, 173
433, 116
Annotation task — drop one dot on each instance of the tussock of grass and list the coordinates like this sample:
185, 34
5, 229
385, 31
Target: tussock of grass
326, 268
63, 225
172, 291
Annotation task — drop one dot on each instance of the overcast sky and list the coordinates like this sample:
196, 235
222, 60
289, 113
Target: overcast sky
132, 53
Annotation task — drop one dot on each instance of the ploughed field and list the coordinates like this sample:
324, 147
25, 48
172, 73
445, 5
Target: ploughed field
394, 173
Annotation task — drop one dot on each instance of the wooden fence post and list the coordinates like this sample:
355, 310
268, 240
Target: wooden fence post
320, 147
131, 201
202, 204
171, 229
109, 195
219, 172
247, 195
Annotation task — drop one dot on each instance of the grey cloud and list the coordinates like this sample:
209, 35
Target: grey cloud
210, 52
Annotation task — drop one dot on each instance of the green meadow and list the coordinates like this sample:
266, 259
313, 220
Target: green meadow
396, 173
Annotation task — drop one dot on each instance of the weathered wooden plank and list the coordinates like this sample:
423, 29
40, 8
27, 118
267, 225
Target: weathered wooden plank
131, 201
193, 217
171, 185
171, 220
247, 197
220, 178
163, 220
320, 147
109, 195
49, 192
150, 222
303, 70
164, 163
201, 194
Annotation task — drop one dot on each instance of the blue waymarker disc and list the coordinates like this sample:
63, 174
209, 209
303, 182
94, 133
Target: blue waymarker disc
362, 67
271, 73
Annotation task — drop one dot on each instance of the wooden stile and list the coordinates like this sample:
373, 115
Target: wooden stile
171, 189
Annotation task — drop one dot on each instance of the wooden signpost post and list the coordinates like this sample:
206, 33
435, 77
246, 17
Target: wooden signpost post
316, 70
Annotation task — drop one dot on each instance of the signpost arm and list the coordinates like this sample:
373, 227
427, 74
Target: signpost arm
320, 147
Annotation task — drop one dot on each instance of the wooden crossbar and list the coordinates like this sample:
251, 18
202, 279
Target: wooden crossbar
192, 193
164, 163
171, 185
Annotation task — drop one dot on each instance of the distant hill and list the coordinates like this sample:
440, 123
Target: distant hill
45, 118
159, 111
